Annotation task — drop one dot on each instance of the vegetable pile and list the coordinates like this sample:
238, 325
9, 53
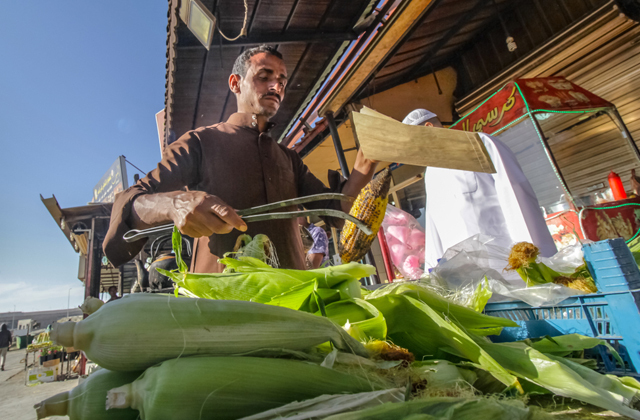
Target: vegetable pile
264, 343
523, 259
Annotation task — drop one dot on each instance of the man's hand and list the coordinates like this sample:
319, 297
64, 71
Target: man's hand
199, 214
195, 213
363, 171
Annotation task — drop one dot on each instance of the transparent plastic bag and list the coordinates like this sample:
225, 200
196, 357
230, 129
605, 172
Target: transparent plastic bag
405, 239
465, 265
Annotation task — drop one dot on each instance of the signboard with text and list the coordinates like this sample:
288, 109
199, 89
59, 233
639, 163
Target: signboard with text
508, 104
111, 183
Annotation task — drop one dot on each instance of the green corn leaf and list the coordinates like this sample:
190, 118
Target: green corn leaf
561, 377
362, 320
465, 317
414, 325
176, 243
447, 408
564, 345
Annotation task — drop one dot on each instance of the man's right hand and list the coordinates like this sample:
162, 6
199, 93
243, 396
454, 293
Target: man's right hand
195, 213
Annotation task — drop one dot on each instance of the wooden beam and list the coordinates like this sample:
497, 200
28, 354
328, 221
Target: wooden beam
402, 21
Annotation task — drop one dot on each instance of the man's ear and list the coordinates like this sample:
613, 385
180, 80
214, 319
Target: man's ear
428, 124
234, 83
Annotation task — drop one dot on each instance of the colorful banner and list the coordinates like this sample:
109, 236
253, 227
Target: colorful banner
507, 105
498, 111
558, 94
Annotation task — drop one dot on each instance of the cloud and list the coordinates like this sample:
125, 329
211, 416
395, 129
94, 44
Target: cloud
30, 297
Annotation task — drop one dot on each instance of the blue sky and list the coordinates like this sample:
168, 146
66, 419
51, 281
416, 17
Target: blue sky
80, 84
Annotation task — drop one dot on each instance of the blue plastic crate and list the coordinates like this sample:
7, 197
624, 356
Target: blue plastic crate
612, 265
612, 314
612, 317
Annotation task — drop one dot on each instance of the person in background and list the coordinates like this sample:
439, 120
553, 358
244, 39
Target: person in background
5, 343
113, 292
318, 253
461, 204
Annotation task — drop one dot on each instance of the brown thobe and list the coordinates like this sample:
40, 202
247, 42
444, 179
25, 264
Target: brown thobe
245, 168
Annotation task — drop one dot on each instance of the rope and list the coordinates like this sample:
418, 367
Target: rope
243, 31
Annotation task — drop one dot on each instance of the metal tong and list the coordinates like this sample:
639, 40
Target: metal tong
257, 214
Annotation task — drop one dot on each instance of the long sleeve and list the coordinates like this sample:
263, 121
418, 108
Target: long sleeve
178, 169
518, 200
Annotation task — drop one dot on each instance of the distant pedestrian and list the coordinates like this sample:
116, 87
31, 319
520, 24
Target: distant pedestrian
113, 292
5, 343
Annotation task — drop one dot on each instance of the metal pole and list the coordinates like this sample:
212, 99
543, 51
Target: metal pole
333, 128
68, 300
13, 320
625, 131
344, 167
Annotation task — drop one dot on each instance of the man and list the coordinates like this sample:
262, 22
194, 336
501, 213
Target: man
461, 204
227, 166
5, 343
113, 292
318, 253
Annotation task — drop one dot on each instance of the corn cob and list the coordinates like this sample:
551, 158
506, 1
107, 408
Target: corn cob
123, 335
229, 387
87, 400
369, 207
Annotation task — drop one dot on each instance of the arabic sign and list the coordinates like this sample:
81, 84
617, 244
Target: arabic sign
507, 105
557, 93
501, 109
111, 183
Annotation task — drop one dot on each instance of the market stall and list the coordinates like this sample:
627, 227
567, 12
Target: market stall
568, 141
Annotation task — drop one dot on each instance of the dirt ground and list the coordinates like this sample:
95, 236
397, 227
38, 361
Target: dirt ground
17, 399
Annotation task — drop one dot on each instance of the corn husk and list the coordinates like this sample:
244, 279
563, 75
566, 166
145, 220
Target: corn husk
139, 331
87, 400
229, 387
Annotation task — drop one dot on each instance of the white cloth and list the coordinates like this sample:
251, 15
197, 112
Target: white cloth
461, 204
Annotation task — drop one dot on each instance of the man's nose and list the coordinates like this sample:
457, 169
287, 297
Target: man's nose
276, 87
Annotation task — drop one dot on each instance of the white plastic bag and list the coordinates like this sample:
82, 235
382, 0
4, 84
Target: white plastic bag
405, 239
466, 264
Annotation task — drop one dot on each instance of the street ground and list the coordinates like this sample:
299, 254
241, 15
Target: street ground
17, 399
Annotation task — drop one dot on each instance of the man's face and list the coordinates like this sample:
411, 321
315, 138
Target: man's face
262, 89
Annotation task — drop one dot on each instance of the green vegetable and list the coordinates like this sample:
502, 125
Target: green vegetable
86, 401
141, 330
444, 408
466, 318
560, 376
229, 387
415, 326
564, 345
523, 258
326, 405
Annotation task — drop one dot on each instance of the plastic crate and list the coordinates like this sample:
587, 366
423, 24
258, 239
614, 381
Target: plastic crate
612, 317
612, 265
612, 314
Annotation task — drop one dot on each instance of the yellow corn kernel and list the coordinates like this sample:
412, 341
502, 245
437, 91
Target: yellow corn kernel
370, 207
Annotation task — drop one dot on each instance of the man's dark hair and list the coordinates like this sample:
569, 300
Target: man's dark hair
4, 327
112, 287
242, 62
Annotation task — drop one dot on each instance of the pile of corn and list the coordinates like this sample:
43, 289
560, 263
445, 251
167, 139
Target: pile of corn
164, 357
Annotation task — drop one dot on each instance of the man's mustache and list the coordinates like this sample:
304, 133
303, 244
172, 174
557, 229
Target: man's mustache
272, 94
